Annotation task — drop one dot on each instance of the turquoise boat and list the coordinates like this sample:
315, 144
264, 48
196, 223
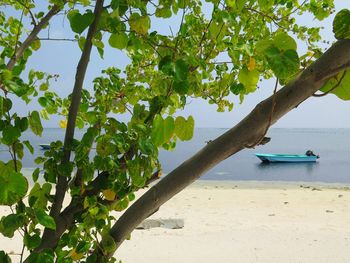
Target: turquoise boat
286, 158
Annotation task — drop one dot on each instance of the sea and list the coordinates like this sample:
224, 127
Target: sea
333, 146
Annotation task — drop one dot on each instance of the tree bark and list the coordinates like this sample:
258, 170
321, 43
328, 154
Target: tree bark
247, 132
51, 237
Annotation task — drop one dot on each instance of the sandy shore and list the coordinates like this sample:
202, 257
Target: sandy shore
245, 222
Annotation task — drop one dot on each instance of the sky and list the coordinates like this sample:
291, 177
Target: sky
61, 58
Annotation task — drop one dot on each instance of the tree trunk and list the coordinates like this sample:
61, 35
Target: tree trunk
247, 132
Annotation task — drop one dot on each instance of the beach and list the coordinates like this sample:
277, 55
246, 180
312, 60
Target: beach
248, 222
243, 222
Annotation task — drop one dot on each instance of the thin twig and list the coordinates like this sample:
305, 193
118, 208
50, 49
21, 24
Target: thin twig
29, 11
21, 260
333, 88
261, 138
58, 39
274, 20
18, 33
178, 33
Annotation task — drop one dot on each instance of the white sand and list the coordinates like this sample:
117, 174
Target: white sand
252, 222
248, 224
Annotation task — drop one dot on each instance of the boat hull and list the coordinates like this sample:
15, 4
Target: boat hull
286, 158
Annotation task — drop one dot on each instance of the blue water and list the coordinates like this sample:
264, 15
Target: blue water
333, 146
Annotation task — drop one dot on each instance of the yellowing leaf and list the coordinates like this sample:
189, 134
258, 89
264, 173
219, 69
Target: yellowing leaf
140, 24
76, 256
184, 128
109, 194
251, 64
249, 79
63, 124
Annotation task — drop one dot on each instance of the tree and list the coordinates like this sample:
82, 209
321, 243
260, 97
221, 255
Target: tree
165, 70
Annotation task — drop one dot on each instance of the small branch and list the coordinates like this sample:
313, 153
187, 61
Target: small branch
18, 32
263, 139
333, 88
220, 62
178, 33
58, 39
29, 11
21, 260
274, 20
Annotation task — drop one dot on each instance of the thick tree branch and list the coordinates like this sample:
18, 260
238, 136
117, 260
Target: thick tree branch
234, 140
66, 219
62, 183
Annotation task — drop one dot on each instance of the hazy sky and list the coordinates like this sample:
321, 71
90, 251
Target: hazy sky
61, 58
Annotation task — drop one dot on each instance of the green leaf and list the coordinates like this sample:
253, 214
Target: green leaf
284, 42
181, 70
341, 24
343, 88
31, 242
42, 257
119, 40
44, 219
38, 196
249, 79
81, 42
18, 89
104, 146
79, 22
36, 44
181, 87
284, 64
265, 4
163, 12
14, 185
9, 224
29, 146
140, 24
4, 258
146, 146
184, 128
43, 101
166, 65
35, 123
162, 130
35, 174
21, 123
108, 244
10, 134
237, 5
237, 88
124, 203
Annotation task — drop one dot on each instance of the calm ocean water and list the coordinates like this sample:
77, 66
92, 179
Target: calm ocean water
333, 146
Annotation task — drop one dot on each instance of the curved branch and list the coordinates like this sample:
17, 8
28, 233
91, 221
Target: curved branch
234, 140
333, 88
